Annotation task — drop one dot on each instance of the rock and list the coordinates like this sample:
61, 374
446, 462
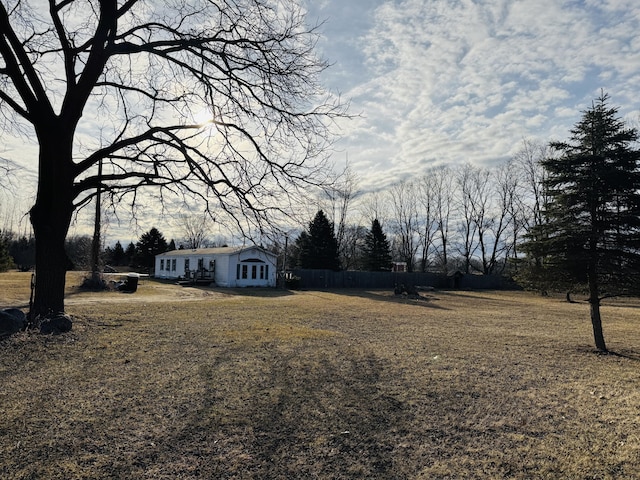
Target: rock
57, 324
12, 320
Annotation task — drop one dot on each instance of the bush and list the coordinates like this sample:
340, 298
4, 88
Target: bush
292, 283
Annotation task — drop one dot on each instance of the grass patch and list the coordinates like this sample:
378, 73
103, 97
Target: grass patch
340, 385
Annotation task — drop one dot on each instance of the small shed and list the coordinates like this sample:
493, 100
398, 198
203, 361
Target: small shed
225, 266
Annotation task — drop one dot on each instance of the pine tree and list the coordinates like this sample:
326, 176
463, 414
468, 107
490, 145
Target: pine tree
150, 244
118, 254
377, 251
6, 261
130, 253
295, 257
592, 234
318, 249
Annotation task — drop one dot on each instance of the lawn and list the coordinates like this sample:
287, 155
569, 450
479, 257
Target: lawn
173, 383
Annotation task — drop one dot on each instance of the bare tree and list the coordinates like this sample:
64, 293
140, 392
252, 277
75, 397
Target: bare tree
509, 192
341, 196
404, 221
374, 206
500, 244
443, 184
217, 101
427, 217
533, 193
351, 256
466, 200
486, 202
194, 229
485, 223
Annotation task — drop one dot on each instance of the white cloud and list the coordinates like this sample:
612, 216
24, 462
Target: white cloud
449, 81
452, 81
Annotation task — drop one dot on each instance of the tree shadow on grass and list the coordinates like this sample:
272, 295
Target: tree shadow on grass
423, 299
625, 353
304, 414
621, 353
465, 294
259, 292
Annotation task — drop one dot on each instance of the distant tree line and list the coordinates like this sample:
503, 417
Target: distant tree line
563, 216
501, 219
19, 251
465, 218
317, 247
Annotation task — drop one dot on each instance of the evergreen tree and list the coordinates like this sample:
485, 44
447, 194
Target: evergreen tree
172, 246
6, 261
107, 255
118, 255
150, 244
377, 251
319, 247
592, 234
129, 254
293, 255
115, 255
23, 252
78, 248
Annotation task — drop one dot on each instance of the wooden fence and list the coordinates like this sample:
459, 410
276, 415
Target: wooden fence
319, 279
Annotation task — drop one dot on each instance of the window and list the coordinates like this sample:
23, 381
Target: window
254, 270
261, 272
266, 272
244, 271
186, 264
238, 272
173, 265
162, 264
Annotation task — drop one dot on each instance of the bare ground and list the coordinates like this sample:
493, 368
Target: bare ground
169, 383
15, 288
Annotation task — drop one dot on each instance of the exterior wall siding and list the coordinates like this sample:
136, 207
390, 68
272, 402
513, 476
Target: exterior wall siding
222, 275
225, 273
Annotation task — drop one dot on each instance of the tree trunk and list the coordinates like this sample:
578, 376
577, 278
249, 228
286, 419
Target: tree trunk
596, 320
50, 231
50, 218
445, 266
596, 323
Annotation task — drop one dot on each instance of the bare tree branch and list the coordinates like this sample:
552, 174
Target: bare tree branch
214, 101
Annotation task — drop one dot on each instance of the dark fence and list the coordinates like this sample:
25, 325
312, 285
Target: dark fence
380, 280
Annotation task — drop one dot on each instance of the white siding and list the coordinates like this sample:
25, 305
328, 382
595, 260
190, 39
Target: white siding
255, 261
256, 264
222, 271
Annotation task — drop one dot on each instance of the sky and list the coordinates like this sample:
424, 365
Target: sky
444, 82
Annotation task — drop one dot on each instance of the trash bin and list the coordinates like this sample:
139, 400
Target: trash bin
130, 284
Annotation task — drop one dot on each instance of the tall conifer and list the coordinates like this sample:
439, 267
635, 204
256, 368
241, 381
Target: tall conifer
376, 249
592, 233
319, 247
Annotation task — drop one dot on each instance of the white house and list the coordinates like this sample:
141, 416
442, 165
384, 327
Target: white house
226, 266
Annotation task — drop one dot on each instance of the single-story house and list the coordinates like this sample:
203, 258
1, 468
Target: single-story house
226, 266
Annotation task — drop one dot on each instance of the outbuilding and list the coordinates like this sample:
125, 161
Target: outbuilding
225, 266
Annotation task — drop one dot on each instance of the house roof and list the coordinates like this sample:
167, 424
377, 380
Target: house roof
212, 251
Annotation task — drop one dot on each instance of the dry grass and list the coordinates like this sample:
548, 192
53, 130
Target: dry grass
260, 384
